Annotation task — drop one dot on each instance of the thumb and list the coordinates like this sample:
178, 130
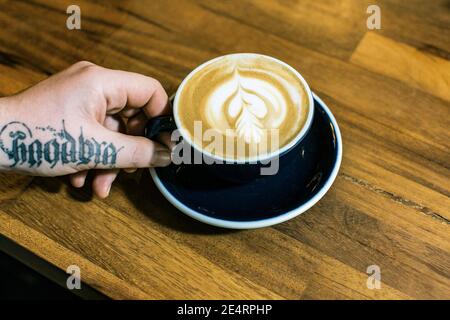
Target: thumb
117, 150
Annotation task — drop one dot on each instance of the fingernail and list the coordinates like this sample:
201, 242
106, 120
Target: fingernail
161, 159
108, 190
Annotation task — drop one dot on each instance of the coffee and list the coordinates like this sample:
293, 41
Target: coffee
253, 103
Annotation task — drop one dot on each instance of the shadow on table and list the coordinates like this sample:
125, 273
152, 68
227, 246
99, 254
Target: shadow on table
142, 193
55, 185
149, 200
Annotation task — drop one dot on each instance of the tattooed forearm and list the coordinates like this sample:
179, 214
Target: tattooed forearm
58, 147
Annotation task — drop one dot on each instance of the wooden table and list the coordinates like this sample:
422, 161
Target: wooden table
389, 90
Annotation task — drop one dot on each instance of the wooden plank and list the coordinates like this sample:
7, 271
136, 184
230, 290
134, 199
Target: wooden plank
389, 205
405, 63
62, 258
424, 26
11, 185
148, 259
340, 24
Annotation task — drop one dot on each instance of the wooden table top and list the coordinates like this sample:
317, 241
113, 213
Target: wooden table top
389, 206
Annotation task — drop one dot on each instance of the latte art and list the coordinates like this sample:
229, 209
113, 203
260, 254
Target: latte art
245, 100
247, 105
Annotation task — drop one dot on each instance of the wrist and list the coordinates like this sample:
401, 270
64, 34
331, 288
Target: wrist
6, 106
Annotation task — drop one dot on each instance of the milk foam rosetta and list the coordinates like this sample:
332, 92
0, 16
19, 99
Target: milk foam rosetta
246, 100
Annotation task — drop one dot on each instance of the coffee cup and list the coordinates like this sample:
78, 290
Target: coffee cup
251, 111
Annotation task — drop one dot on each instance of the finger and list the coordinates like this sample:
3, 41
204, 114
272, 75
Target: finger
136, 124
103, 181
114, 123
122, 88
128, 112
126, 151
136, 127
78, 179
166, 139
117, 124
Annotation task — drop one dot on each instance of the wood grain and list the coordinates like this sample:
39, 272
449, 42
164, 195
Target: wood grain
389, 206
408, 64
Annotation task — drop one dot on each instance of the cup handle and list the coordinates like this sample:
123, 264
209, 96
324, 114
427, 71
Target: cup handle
159, 124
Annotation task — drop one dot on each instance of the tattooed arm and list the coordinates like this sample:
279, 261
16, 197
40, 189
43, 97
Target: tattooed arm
86, 117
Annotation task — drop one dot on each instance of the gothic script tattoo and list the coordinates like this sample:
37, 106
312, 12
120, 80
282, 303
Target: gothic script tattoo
16, 140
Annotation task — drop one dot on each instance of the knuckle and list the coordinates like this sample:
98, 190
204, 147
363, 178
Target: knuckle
90, 77
83, 64
84, 167
156, 84
91, 70
88, 71
75, 167
136, 157
138, 154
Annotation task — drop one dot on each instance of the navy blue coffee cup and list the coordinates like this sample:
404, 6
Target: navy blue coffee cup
242, 170
235, 172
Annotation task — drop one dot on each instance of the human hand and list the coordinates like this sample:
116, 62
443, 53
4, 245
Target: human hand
85, 117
